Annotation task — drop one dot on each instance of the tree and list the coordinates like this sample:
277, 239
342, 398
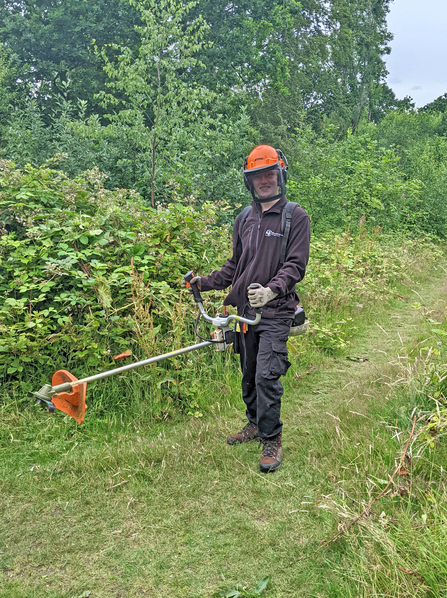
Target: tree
51, 43
438, 105
149, 98
8, 94
358, 42
168, 119
336, 71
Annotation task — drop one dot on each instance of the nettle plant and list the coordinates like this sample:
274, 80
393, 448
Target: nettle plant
70, 251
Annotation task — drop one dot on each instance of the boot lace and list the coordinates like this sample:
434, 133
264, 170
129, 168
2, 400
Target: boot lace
269, 446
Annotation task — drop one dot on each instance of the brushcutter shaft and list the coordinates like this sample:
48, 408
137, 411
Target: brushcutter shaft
67, 386
220, 321
68, 394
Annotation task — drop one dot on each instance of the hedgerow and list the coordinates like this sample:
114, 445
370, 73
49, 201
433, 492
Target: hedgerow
77, 262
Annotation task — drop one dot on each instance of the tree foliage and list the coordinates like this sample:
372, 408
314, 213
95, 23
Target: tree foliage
438, 105
244, 44
327, 55
172, 94
51, 43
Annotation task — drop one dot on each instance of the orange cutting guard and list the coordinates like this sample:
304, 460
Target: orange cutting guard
71, 403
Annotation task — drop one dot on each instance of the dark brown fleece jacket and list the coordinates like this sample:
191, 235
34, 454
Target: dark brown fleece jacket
259, 260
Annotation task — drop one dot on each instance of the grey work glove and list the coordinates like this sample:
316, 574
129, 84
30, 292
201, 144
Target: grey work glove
259, 295
195, 280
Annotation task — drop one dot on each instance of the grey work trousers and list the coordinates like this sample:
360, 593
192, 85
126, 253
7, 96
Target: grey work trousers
263, 353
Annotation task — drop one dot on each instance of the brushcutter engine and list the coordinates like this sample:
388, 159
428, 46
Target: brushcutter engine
67, 394
222, 337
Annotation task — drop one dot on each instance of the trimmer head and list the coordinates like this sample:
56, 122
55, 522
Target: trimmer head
71, 403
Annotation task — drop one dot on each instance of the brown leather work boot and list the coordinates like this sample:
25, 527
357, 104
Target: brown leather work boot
248, 433
271, 454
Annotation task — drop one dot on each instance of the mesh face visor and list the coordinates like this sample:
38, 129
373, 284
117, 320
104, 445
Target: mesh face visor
265, 183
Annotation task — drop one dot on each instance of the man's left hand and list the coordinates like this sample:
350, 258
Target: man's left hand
260, 295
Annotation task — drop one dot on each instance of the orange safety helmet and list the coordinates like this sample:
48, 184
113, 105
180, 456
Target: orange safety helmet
262, 159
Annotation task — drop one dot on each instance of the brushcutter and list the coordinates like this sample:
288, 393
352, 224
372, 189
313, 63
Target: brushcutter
67, 394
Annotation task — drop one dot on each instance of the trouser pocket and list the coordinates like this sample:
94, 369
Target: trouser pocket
278, 364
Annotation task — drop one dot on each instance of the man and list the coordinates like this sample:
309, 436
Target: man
260, 280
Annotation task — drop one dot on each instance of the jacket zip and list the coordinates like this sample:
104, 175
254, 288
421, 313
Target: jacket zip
256, 248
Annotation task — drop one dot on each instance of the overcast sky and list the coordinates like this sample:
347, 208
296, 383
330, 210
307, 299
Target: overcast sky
417, 64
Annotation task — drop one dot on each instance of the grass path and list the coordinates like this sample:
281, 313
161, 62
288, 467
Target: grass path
169, 510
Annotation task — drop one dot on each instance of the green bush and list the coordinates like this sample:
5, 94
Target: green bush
341, 182
427, 163
80, 266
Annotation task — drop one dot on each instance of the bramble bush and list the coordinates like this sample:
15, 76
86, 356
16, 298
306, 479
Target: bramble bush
74, 258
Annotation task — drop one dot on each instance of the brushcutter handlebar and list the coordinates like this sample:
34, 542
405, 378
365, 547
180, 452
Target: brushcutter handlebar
222, 321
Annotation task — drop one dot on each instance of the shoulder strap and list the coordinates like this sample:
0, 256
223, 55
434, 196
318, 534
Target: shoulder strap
244, 214
285, 227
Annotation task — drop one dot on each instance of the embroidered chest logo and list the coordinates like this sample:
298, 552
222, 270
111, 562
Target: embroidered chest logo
270, 233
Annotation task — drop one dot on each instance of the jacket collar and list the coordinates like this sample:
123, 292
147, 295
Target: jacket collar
275, 209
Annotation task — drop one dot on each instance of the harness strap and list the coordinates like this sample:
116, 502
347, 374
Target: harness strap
285, 228
244, 214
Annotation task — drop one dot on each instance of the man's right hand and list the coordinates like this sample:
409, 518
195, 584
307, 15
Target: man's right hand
195, 280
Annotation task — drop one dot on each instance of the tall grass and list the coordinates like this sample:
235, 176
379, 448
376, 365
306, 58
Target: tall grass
398, 546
